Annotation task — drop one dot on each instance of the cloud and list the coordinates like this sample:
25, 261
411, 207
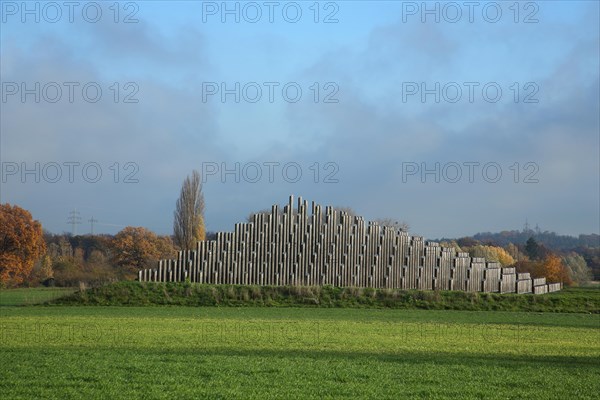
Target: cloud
165, 135
368, 134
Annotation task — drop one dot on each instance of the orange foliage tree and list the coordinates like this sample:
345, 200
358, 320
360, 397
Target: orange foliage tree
551, 268
555, 271
21, 244
135, 248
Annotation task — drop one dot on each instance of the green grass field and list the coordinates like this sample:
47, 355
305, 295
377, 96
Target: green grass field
165, 352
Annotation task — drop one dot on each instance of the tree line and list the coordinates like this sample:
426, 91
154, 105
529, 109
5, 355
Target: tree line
30, 256
543, 252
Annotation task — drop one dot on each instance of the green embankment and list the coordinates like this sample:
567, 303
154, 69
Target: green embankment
185, 294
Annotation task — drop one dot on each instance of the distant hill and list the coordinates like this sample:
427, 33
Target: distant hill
549, 239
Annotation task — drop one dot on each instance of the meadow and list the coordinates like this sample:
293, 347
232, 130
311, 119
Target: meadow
163, 352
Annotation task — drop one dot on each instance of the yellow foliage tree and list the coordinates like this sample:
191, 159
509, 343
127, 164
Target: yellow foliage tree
46, 270
504, 257
201, 229
492, 253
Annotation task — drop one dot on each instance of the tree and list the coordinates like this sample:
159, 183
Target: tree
579, 271
555, 271
532, 248
21, 243
514, 252
465, 242
535, 268
46, 271
136, 248
347, 210
188, 224
550, 268
592, 259
451, 245
250, 217
492, 253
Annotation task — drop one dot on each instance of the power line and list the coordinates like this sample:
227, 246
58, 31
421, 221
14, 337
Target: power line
116, 225
91, 221
74, 219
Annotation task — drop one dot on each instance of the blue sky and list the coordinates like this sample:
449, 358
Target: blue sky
542, 131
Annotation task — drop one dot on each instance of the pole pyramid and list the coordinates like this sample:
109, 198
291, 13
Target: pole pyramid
331, 247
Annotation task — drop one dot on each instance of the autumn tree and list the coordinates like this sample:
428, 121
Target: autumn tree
514, 252
550, 268
555, 271
46, 270
466, 241
533, 267
135, 248
21, 244
451, 245
492, 253
188, 224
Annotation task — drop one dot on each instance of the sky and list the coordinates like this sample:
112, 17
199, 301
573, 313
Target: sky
454, 117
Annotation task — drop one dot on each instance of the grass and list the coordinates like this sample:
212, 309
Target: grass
30, 296
185, 294
164, 352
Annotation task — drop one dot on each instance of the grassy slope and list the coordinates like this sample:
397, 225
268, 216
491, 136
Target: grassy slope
29, 296
136, 294
248, 352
